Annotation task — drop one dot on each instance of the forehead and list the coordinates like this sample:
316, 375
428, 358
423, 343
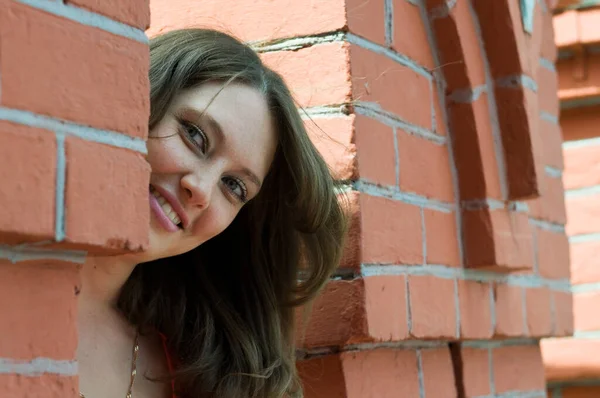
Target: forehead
243, 114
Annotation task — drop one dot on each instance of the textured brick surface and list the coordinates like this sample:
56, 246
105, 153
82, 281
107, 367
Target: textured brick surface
395, 231
433, 316
27, 177
38, 307
131, 12
402, 275
424, 167
87, 89
97, 176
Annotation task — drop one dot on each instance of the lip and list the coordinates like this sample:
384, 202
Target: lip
172, 200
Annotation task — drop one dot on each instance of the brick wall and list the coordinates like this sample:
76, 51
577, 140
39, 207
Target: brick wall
444, 119
440, 115
74, 110
572, 364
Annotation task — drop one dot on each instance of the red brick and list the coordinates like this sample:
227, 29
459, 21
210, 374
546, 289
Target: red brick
438, 373
386, 307
510, 50
509, 310
334, 138
551, 205
512, 363
317, 75
440, 120
392, 231
442, 238
584, 257
539, 312
577, 82
588, 25
335, 317
553, 254
424, 167
497, 239
566, 26
381, 373
547, 82
27, 177
45, 385
474, 152
432, 315
475, 310
410, 35
396, 88
366, 19
256, 20
579, 123
582, 211
131, 12
582, 168
322, 377
39, 310
376, 151
476, 372
570, 359
459, 48
585, 311
97, 178
552, 144
73, 70
563, 310
580, 392
548, 50
518, 117
351, 257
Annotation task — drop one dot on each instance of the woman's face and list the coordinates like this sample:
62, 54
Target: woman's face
209, 156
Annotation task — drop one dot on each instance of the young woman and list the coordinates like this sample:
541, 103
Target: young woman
245, 226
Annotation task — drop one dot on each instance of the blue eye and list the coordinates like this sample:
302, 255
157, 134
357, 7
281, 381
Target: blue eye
196, 135
237, 187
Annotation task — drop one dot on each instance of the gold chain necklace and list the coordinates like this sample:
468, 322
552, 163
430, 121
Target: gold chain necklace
136, 349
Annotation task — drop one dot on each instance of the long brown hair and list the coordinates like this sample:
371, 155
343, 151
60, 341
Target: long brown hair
227, 307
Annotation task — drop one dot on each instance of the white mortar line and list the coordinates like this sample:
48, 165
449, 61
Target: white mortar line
405, 197
88, 18
61, 171
421, 376
547, 225
375, 111
107, 137
20, 253
585, 191
399, 58
38, 366
447, 272
388, 13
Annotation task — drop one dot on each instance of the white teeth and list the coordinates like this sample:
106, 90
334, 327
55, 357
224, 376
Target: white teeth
167, 208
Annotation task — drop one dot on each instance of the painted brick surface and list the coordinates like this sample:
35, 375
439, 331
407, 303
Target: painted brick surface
572, 366
456, 263
434, 159
73, 71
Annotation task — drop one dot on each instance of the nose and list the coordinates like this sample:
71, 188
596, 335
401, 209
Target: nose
198, 189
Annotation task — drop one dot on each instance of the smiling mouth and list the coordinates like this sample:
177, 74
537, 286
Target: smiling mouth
166, 209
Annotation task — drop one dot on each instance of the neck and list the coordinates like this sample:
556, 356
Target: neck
102, 279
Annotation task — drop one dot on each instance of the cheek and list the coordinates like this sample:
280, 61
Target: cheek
214, 221
167, 154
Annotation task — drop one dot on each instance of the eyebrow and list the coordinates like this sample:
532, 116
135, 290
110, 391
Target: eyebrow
216, 128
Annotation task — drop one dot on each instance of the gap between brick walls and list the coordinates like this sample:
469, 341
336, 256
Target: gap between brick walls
457, 368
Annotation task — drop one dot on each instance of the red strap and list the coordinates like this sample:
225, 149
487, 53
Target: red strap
169, 362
